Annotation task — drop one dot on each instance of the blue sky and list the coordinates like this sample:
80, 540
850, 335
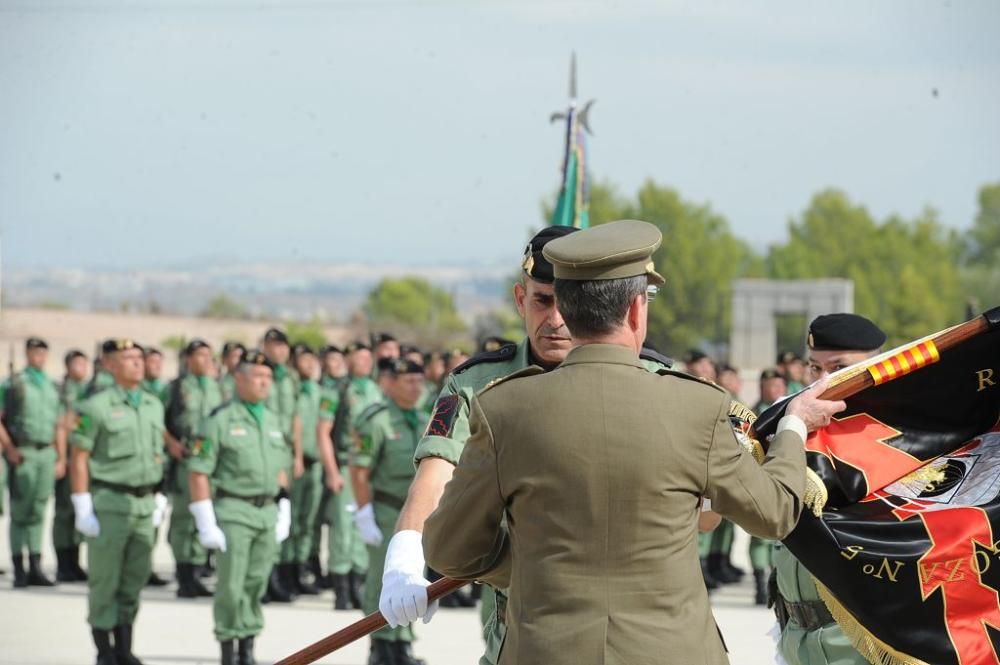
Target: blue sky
157, 133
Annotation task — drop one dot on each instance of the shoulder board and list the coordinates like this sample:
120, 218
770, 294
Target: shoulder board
741, 412
371, 411
647, 353
531, 370
683, 375
505, 352
219, 408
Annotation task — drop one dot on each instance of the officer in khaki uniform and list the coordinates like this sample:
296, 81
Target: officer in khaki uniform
600, 467
242, 451
117, 465
190, 399
65, 538
381, 473
31, 413
809, 635
438, 452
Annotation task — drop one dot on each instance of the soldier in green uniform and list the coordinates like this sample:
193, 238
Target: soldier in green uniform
31, 413
241, 452
190, 399
117, 465
232, 352
307, 489
546, 345
282, 401
66, 539
809, 635
101, 377
384, 345
152, 373
381, 472
339, 409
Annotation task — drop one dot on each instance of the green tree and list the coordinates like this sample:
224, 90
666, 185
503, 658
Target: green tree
981, 271
904, 272
223, 307
310, 332
416, 304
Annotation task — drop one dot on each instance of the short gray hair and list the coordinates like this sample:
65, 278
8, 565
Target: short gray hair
597, 307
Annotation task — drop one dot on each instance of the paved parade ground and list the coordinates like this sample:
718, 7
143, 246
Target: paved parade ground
48, 626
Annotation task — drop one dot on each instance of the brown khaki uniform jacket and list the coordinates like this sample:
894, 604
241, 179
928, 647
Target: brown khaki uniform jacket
599, 467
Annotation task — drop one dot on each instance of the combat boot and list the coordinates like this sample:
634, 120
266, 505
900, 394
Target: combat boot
189, 586
155, 580
123, 646
228, 652
276, 591
64, 573
20, 579
35, 575
760, 587
355, 582
402, 655
733, 571
341, 593
246, 651
73, 563
718, 569
302, 583
102, 640
288, 579
710, 582
381, 653
322, 581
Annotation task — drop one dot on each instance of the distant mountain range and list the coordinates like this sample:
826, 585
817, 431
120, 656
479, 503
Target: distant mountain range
285, 290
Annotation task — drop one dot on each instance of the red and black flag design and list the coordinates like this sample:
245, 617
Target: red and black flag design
904, 536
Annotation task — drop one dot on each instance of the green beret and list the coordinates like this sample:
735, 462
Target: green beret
844, 332
616, 250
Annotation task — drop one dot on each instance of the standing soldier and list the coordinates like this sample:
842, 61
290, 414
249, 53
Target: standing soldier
384, 345
66, 539
190, 399
242, 453
231, 354
31, 413
101, 377
381, 473
308, 488
117, 464
152, 381
334, 367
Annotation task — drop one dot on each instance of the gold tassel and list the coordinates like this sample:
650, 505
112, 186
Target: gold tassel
815, 496
872, 648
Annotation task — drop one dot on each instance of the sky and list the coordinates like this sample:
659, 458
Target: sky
162, 133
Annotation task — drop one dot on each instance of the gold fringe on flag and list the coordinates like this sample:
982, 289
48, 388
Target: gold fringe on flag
815, 496
872, 648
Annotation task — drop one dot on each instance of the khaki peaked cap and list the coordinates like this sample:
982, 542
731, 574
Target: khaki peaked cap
615, 250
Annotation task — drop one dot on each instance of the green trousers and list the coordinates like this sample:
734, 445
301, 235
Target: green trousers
345, 550
119, 561
305, 495
385, 518
183, 533
494, 629
722, 538
64, 534
704, 543
31, 484
761, 553
243, 568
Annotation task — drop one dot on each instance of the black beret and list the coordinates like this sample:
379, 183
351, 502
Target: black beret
786, 357
301, 349
384, 364
256, 357
357, 345
382, 338
534, 264
229, 346
114, 345
275, 335
496, 343
409, 348
72, 355
36, 343
844, 332
770, 373
693, 356
330, 348
405, 366
194, 345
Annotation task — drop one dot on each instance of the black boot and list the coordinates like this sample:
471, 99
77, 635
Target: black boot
302, 583
246, 651
102, 640
63, 571
760, 587
73, 562
189, 586
342, 595
733, 571
286, 574
718, 569
276, 591
355, 582
123, 646
20, 579
323, 582
155, 580
404, 656
382, 653
710, 582
35, 575
228, 652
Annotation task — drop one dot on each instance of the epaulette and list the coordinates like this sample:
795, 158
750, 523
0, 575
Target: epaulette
371, 410
505, 352
690, 377
530, 370
647, 353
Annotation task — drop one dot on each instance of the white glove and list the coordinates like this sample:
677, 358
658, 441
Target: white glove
160, 509
364, 519
404, 587
85, 520
284, 523
209, 534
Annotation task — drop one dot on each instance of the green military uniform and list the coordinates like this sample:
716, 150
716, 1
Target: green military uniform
123, 432
156, 388
32, 411
190, 400
102, 379
281, 401
386, 441
65, 538
227, 386
308, 489
448, 431
242, 450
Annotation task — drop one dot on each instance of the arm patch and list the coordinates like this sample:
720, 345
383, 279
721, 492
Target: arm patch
445, 412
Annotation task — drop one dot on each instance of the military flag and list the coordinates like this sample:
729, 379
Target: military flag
573, 206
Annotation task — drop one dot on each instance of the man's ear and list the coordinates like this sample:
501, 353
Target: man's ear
520, 293
635, 312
